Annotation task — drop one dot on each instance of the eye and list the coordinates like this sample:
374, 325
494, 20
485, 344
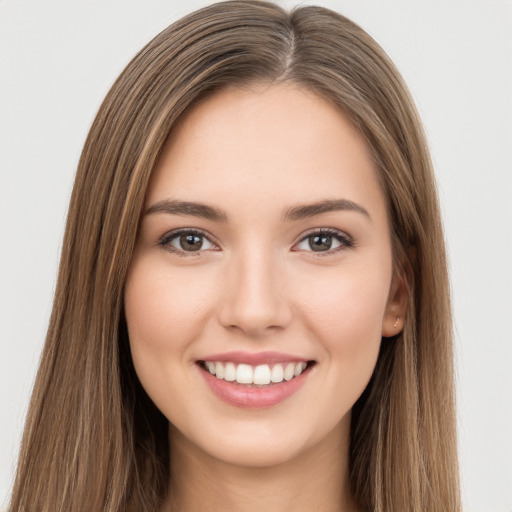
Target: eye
324, 241
187, 241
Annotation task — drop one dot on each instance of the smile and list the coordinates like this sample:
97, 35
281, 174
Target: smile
261, 375
254, 380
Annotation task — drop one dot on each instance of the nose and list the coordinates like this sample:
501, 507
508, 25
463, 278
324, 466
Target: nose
254, 300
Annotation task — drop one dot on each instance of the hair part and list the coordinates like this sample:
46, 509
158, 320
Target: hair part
93, 439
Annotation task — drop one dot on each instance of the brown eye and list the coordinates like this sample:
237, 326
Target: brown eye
324, 242
190, 242
320, 242
184, 242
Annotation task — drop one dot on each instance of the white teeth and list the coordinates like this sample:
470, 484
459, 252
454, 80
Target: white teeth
219, 370
289, 371
230, 372
299, 367
277, 373
260, 375
244, 374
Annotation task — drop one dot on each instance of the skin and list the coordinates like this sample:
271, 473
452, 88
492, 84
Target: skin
257, 285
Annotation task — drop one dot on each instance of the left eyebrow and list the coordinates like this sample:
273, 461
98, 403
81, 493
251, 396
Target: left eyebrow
329, 205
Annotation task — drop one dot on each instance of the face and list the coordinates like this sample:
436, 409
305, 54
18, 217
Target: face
262, 280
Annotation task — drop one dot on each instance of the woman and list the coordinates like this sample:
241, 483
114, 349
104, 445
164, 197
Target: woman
252, 308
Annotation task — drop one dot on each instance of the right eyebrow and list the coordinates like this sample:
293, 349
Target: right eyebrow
188, 208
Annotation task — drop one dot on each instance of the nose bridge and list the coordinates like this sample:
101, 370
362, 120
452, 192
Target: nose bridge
255, 297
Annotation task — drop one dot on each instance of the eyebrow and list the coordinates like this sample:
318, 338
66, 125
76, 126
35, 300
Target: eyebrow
188, 208
330, 205
193, 209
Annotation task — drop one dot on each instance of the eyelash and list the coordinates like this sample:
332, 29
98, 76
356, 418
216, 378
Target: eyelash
345, 241
165, 241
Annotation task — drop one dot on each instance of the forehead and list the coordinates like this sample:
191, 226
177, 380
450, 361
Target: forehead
274, 145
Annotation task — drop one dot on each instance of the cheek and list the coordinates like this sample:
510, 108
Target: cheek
162, 307
165, 312
344, 310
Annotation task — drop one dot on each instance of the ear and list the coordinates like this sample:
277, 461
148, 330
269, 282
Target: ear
396, 307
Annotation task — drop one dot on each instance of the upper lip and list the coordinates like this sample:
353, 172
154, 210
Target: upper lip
254, 358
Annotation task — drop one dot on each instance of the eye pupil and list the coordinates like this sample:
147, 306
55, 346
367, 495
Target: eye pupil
320, 242
191, 242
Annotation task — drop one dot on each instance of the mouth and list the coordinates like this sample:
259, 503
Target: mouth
262, 385
255, 376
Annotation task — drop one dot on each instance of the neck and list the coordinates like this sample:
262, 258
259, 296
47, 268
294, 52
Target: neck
316, 480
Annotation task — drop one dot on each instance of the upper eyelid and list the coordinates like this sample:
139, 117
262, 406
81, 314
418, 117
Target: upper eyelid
324, 230
169, 235
344, 238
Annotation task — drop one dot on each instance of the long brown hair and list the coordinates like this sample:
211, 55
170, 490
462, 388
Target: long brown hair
93, 439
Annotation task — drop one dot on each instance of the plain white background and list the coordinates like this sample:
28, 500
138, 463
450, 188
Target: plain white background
58, 59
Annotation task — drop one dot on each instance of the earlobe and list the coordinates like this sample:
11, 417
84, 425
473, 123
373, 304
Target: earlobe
396, 308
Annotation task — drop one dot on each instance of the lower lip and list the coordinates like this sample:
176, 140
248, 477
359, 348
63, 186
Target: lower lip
241, 395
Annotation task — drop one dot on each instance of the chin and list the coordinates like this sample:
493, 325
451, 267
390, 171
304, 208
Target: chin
255, 453
264, 443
